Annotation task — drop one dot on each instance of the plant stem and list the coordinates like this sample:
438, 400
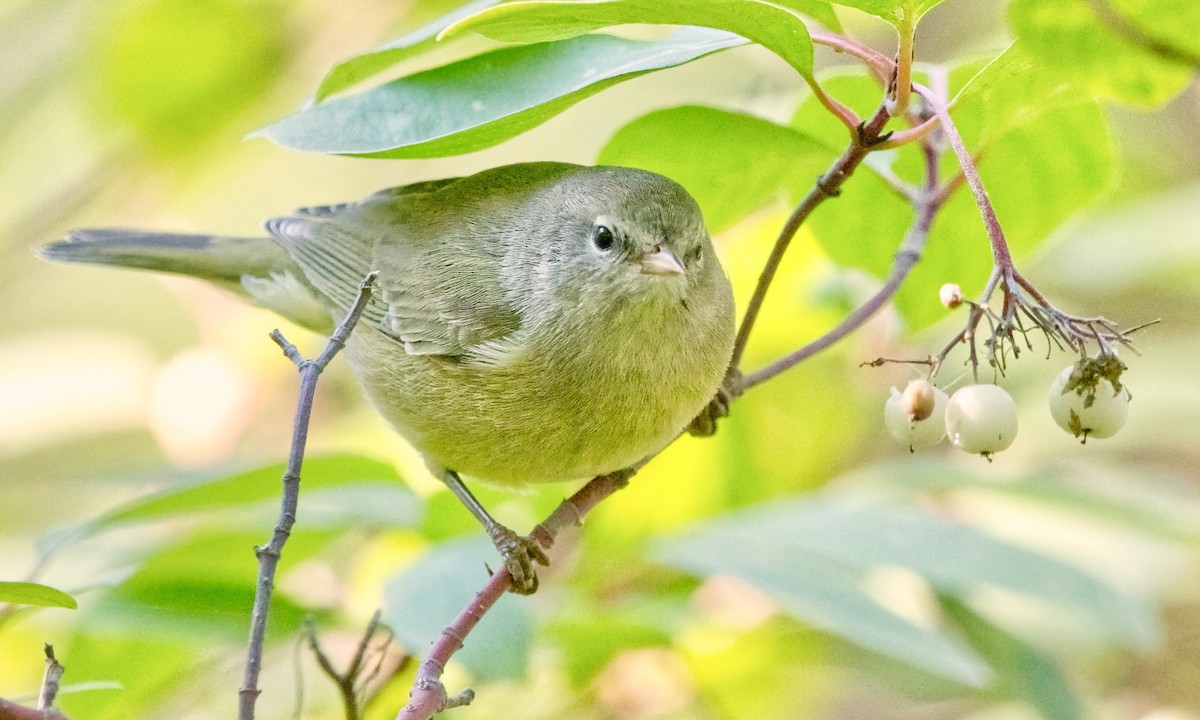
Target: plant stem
881, 65
901, 83
1000, 252
827, 186
927, 205
838, 110
268, 556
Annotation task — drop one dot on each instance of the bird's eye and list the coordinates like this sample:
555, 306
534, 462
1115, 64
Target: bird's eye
695, 253
602, 238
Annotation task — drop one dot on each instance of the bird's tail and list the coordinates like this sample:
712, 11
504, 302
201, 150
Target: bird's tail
256, 268
223, 260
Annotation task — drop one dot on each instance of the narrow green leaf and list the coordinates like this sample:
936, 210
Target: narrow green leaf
423, 599
1074, 44
896, 12
812, 555
360, 67
731, 162
540, 20
1022, 671
203, 587
85, 687
954, 558
265, 483
807, 586
27, 593
484, 100
1156, 505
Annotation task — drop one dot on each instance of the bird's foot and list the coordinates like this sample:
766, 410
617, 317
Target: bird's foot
705, 423
519, 553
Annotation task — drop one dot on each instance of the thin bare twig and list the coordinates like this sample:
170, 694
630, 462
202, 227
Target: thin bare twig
54, 672
268, 556
45, 709
351, 683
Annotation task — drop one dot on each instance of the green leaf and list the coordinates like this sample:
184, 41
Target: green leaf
1023, 671
540, 20
818, 10
349, 473
1073, 44
27, 593
360, 67
484, 100
1172, 23
1152, 505
731, 162
811, 556
896, 12
767, 550
1009, 91
590, 641
423, 599
204, 586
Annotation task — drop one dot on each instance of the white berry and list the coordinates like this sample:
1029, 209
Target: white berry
1101, 418
902, 408
981, 419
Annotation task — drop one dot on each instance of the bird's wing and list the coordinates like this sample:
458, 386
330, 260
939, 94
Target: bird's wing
438, 291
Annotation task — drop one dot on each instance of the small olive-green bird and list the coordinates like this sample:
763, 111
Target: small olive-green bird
532, 323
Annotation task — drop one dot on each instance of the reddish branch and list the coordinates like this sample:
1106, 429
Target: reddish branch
13, 711
429, 696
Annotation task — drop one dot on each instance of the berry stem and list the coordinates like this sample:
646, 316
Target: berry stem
1001, 255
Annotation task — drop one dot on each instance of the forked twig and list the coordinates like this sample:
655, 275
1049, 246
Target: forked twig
268, 555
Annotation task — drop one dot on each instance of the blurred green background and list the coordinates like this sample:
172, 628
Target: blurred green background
117, 384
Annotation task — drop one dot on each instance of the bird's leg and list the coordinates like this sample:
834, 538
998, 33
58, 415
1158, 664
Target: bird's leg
519, 552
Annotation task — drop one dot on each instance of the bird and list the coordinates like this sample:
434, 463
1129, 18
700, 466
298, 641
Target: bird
535, 322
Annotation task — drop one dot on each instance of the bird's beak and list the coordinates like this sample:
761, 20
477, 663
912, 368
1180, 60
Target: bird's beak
661, 262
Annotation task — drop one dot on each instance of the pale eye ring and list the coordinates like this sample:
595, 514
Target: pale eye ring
603, 238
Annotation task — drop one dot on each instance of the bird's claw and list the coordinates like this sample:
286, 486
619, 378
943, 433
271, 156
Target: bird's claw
705, 423
519, 553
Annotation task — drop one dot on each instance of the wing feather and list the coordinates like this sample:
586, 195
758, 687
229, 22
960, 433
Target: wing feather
438, 290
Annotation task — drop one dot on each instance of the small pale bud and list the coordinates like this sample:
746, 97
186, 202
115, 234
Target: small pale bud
917, 400
950, 295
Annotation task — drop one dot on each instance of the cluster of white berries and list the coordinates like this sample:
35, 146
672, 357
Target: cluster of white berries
1087, 400
980, 419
